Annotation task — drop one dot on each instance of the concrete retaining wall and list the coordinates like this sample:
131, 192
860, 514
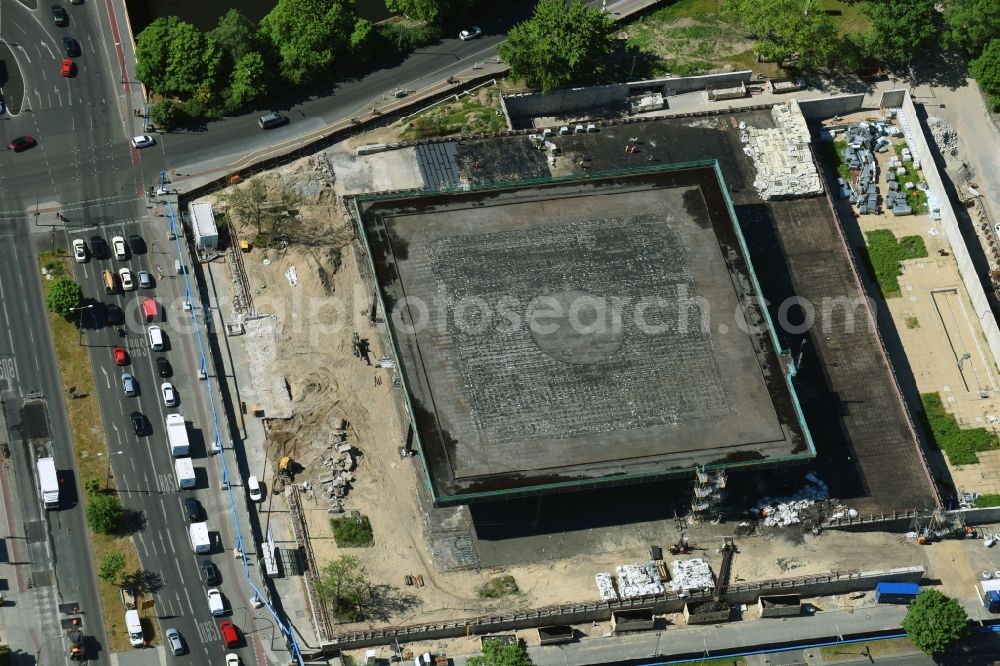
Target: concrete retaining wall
949, 225
827, 107
746, 593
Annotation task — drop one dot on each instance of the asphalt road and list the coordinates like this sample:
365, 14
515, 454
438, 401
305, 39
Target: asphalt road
61, 567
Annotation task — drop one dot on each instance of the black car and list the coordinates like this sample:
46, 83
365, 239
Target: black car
209, 574
138, 423
192, 509
59, 15
138, 245
98, 247
163, 368
70, 47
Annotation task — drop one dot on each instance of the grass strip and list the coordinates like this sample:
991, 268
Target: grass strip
886, 253
960, 445
862, 651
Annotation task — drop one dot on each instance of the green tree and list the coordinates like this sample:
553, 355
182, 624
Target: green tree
497, 654
559, 45
971, 24
934, 622
431, 11
105, 513
344, 588
166, 114
236, 35
185, 59
901, 29
784, 31
152, 51
92, 486
309, 35
111, 567
63, 296
986, 70
248, 81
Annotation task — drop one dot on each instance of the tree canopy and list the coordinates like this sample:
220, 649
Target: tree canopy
105, 513
901, 28
986, 70
496, 653
236, 35
171, 56
971, 24
559, 45
344, 588
111, 567
431, 11
309, 35
783, 31
934, 622
63, 296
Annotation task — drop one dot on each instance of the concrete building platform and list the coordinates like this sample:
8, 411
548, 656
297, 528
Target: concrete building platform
580, 333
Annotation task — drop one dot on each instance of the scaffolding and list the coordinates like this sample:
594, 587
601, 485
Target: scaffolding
708, 491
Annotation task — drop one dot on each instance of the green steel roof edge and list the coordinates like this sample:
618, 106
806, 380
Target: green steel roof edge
602, 480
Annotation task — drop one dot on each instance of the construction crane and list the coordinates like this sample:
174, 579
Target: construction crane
728, 551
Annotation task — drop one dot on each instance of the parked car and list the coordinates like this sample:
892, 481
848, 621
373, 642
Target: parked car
142, 141
169, 394
163, 368
59, 16
209, 574
230, 637
137, 243
471, 33
67, 68
138, 422
118, 246
174, 640
253, 485
232, 659
22, 143
125, 275
79, 250
121, 356
129, 385
192, 509
215, 603
145, 280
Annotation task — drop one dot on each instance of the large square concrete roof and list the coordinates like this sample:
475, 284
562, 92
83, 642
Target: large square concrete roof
579, 332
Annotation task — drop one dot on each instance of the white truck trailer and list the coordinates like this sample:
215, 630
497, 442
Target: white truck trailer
184, 471
48, 482
200, 543
177, 435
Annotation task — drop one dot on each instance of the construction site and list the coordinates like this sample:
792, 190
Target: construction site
455, 356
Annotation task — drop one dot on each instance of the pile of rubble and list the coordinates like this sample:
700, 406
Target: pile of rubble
783, 511
638, 580
339, 462
944, 135
692, 574
606, 587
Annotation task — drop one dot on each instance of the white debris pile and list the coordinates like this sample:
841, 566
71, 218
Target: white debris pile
782, 511
692, 574
944, 135
781, 155
606, 587
638, 580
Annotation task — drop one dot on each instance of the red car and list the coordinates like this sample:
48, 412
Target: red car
121, 356
22, 143
230, 637
67, 68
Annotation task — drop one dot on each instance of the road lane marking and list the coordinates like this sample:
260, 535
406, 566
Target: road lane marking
170, 538
106, 378
188, 596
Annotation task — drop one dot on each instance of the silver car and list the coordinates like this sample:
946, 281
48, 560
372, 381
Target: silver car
174, 641
129, 385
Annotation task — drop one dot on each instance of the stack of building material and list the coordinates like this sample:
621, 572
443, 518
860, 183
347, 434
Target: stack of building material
862, 140
692, 574
781, 155
606, 587
638, 580
782, 511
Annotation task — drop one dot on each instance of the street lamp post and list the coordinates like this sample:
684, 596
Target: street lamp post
82, 307
107, 480
38, 655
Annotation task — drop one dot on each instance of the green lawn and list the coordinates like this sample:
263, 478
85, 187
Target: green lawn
472, 114
861, 651
885, 254
961, 445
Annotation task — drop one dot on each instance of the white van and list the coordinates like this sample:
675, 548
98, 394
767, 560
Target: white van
155, 338
134, 627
